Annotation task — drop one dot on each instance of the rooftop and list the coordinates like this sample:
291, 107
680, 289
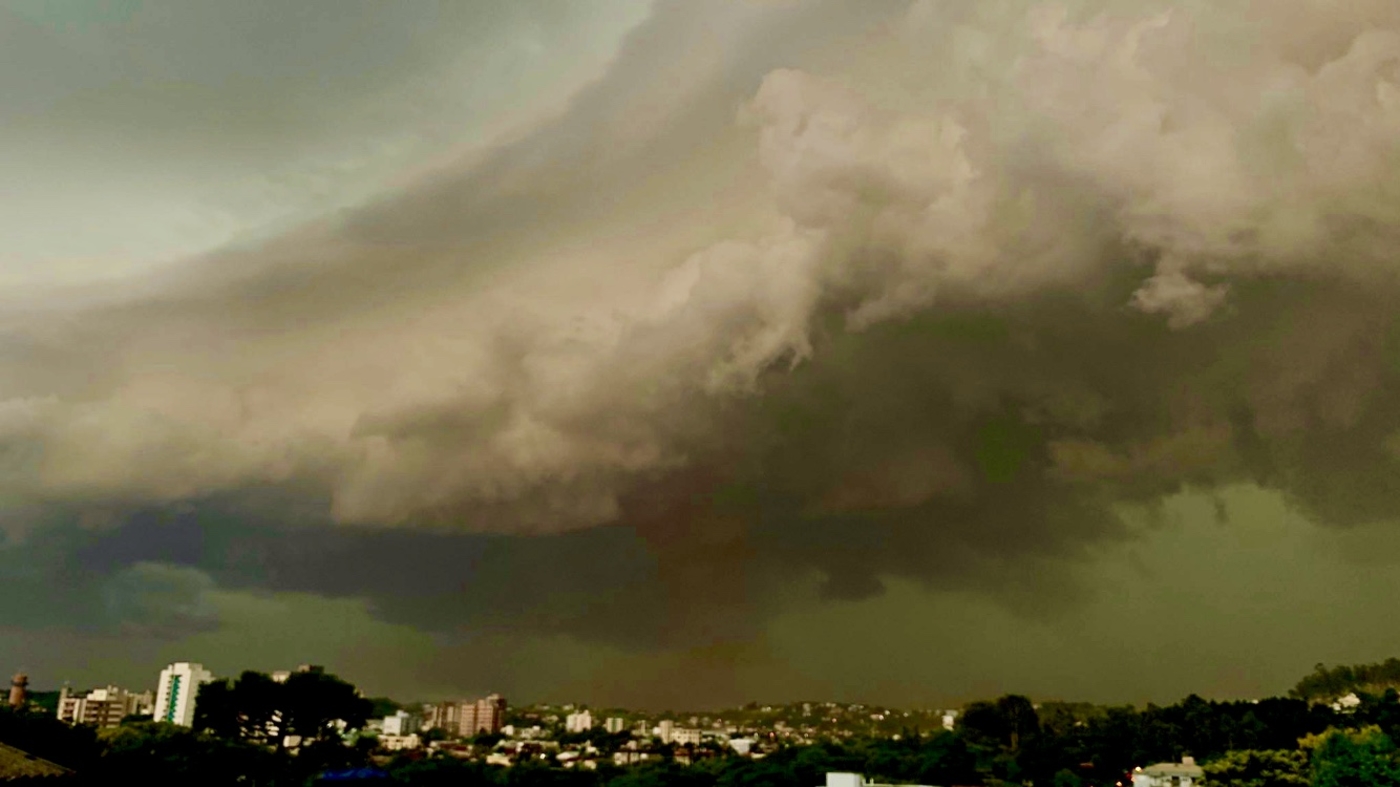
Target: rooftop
16, 764
1174, 769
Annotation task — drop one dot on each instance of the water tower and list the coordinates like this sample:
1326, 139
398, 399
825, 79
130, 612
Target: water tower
19, 690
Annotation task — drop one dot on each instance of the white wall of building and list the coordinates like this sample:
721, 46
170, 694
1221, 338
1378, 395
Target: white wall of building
401, 723
400, 742
578, 722
1169, 774
175, 693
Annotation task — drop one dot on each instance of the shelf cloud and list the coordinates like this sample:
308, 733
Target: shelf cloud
919, 291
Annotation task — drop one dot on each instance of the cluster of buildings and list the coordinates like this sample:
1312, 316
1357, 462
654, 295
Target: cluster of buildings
568, 735
403, 731
467, 719
104, 707
173, 701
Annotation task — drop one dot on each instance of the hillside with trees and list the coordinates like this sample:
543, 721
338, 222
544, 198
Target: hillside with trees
1325, 684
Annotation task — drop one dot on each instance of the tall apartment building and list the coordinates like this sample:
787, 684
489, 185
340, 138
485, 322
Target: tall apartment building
484, 715
442, 716
615, 724
466, 718
176, 691
105, 707
578, 722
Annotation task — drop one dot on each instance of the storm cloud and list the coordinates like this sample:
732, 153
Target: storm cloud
893, 293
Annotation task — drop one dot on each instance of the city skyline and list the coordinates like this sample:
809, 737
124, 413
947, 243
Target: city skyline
689, 353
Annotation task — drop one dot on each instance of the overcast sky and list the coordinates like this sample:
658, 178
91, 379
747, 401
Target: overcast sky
682, 354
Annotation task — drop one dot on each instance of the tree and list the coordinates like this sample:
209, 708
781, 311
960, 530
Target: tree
258, 702
945, 759
1361, 758
982, 722
250, 707
1022, 722
159, 754
257, 708
1326, 684
442, 772
1251, 768
215, 710
383, 706
312, 703
1006, 723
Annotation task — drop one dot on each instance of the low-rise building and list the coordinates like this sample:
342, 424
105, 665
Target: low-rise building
631, 757
281, 676
400, 742
105, 707
854, 780
401, 723
1347, 704
1169, 774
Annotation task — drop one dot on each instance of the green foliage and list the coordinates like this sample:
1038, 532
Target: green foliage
1250, 768
160, 754
442, 772
44, 700
257, 708
311, 702
383, 706
1360, 758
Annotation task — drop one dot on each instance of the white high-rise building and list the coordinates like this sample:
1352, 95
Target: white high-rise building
615, 724
578, 722
401, 723
175, 694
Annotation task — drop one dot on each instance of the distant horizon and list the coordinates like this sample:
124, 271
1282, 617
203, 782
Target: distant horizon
759, 704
